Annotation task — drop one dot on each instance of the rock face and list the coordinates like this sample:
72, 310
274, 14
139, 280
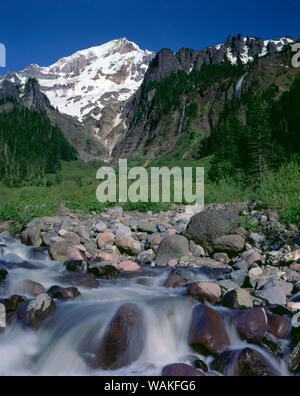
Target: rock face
205, 227
207, 333
123, 340
243, 363
181, 370
172, 247
36, 311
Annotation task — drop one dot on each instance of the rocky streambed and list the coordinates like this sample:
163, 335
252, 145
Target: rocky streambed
178, 293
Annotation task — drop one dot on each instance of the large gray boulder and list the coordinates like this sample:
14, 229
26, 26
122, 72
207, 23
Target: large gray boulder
205, 227
172, 247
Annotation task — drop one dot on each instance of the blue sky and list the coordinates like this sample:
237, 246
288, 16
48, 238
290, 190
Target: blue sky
42, 31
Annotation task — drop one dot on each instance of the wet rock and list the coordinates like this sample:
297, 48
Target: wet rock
207, 334
175, 279
88, 281
199, 364
229, 243
293, 359
69, 293
32, 288
205, 291
3, 274
123, 341
34, 313
238, 299
181, 370
79, 266
12, 303
269, 345
63, 251
172, 247
252, 324
205, 227
278, 326
273, 296
296, 321
243, 363
103, 270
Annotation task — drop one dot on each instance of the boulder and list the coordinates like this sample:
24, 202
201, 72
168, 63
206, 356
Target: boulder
238, 299
63, 251
146, 226
181, 370
278, 325
87, 281
207, 334
229, 244
273, 296
172, 247
123, 341
32, 235
243, 363
292, 257
293, 359
105, 239
129, 266
34, 313
69, 293
103, 270
175, 279
205, 291
252, 324
32, 288
128, 245
205, 227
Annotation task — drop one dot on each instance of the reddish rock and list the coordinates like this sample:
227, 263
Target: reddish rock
105, 239
243, 363
130, 266
278, 326
32, 288
254, 257
207, 334
252, 324
123, 341
205, 291
181, 370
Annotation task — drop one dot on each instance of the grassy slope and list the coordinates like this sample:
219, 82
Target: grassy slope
76, 185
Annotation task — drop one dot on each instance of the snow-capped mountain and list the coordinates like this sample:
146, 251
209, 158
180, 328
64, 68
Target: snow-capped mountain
91, 78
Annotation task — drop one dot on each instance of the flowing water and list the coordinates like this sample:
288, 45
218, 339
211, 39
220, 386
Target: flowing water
182, 119
238, 91
62, 344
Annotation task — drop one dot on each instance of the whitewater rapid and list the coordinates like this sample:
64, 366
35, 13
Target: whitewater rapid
68, 338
